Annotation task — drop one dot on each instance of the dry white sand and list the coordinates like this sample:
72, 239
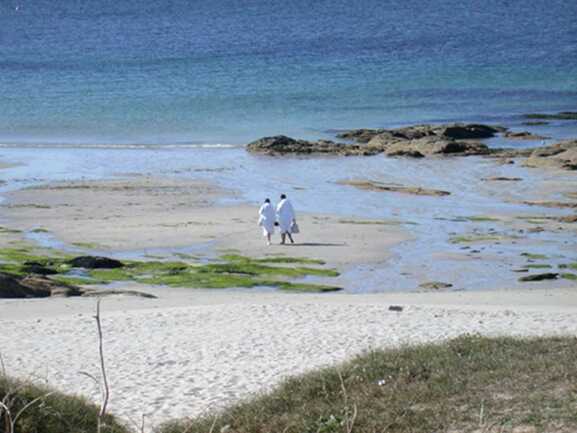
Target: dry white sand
168, 362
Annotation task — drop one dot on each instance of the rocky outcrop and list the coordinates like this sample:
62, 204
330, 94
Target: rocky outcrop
523, 135
368, 185
455, 131
95, 262
561, 155
34, 286
282, 145
429, 146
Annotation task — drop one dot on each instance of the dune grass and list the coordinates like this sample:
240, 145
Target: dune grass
53, 412
467, 384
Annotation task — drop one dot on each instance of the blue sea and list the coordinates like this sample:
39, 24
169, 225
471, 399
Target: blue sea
175, 72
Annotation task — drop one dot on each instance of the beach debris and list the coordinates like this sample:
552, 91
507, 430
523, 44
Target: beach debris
435, 285
369, 185
95, 262
540, 277
396, 308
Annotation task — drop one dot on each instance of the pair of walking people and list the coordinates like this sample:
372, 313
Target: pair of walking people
283, 216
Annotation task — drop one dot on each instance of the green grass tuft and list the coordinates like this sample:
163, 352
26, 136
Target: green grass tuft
467, 384
55, 413
569, 276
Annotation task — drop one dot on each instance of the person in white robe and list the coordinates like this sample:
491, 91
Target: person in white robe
285, 215
266, 219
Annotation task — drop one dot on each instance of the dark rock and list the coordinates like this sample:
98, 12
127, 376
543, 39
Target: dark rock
501, 179
32, 286
435, 285
360, 135
281, 145
95, 262
37, 268
429, 146
396, 308
540, 277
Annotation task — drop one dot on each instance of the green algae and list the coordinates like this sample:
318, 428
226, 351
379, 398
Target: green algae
538, 266
569, 276
39, 230
534, 256
231, 271
474, 238
568, 266
481, 218
275, 259
6, 230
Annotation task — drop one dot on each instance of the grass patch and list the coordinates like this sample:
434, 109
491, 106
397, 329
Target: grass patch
569, 276
55, 413
534, 256
469, 383
568, 266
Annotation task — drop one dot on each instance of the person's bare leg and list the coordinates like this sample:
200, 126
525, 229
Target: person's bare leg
290, 238
268, 238
282, 238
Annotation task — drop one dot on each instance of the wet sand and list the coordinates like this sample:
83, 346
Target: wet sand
152, 214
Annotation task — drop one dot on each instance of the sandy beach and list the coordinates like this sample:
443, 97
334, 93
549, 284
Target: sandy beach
190, 351
168, 361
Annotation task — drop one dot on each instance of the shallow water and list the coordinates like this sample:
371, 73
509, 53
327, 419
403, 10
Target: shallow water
311, 183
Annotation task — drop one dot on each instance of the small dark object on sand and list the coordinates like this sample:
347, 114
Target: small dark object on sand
397, 308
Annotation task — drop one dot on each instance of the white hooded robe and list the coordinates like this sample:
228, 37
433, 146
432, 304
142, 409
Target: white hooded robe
266, 218
285, 215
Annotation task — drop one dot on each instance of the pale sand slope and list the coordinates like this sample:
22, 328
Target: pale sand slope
147, 213
218, 347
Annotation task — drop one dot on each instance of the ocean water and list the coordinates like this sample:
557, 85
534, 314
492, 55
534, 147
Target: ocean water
229, 71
